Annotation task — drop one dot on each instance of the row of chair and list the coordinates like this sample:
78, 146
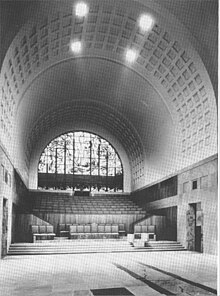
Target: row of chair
90, 206
150, 230
90, 212
92, 230
86, 205
63, 229
42, 232
144, 229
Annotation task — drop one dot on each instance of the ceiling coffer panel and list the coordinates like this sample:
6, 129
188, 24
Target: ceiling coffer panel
108, 118
166, 59
110, 29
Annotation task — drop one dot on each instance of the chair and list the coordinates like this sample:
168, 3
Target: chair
42, 229
34, 229
121, 229
137, 229
144, 229
151, 230
87, 228
115, 228
73, 228
94, 228
80, 228
101, 228
49, 229
108, 228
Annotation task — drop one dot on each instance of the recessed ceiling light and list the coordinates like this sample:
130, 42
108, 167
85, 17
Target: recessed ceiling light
146, 22
131, 55
76, 46
81, 9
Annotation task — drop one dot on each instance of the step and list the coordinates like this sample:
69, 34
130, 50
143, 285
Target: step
62, 246
159, 243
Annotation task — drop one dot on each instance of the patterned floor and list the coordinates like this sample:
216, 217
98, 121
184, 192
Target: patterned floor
139, 274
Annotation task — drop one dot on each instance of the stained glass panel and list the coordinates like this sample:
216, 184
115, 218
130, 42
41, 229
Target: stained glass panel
82, 154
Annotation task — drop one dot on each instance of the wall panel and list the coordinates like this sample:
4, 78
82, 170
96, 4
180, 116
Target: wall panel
195, 184
54, 219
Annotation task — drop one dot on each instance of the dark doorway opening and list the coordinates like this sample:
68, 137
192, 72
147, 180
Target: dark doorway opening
198, 239
4, 228
14, 230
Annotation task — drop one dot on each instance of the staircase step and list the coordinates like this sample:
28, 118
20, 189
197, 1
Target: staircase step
88, 246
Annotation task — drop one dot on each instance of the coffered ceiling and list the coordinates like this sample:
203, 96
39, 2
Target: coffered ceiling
160, 107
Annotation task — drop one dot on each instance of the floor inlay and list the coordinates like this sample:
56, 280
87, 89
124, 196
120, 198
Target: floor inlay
147, 282
112, 292
208, 289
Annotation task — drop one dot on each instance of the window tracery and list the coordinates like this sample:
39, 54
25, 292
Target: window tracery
80, 154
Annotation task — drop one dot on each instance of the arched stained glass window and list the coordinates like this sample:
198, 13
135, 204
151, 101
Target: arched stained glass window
80, 160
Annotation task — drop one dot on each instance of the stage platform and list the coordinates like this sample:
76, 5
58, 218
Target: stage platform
66, 246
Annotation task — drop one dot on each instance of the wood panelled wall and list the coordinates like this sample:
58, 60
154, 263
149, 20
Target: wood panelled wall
54, 219
169, 227
24, 222
155, 192
158, 221
167, 230
21, 195
21, 204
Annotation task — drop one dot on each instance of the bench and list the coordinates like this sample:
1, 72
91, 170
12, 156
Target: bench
121, 229
150, 230
93, 230
63, 230
42, 232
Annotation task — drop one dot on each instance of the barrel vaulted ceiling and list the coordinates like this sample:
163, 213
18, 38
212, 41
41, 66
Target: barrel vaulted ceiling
160, 109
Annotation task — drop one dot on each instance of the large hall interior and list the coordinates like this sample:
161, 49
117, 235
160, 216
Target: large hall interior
108, 147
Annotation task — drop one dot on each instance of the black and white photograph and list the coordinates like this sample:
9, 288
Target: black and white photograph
109, 148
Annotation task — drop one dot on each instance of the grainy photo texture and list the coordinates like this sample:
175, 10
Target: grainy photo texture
108, 147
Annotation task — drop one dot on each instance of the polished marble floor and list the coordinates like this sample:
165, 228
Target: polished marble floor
141, 274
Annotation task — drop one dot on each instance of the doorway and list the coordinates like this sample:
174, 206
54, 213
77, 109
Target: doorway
198, 239
4, 228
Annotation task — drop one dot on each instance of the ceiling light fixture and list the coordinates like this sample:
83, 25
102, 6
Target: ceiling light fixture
81, 9
76, 46
131, 55
146, 22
